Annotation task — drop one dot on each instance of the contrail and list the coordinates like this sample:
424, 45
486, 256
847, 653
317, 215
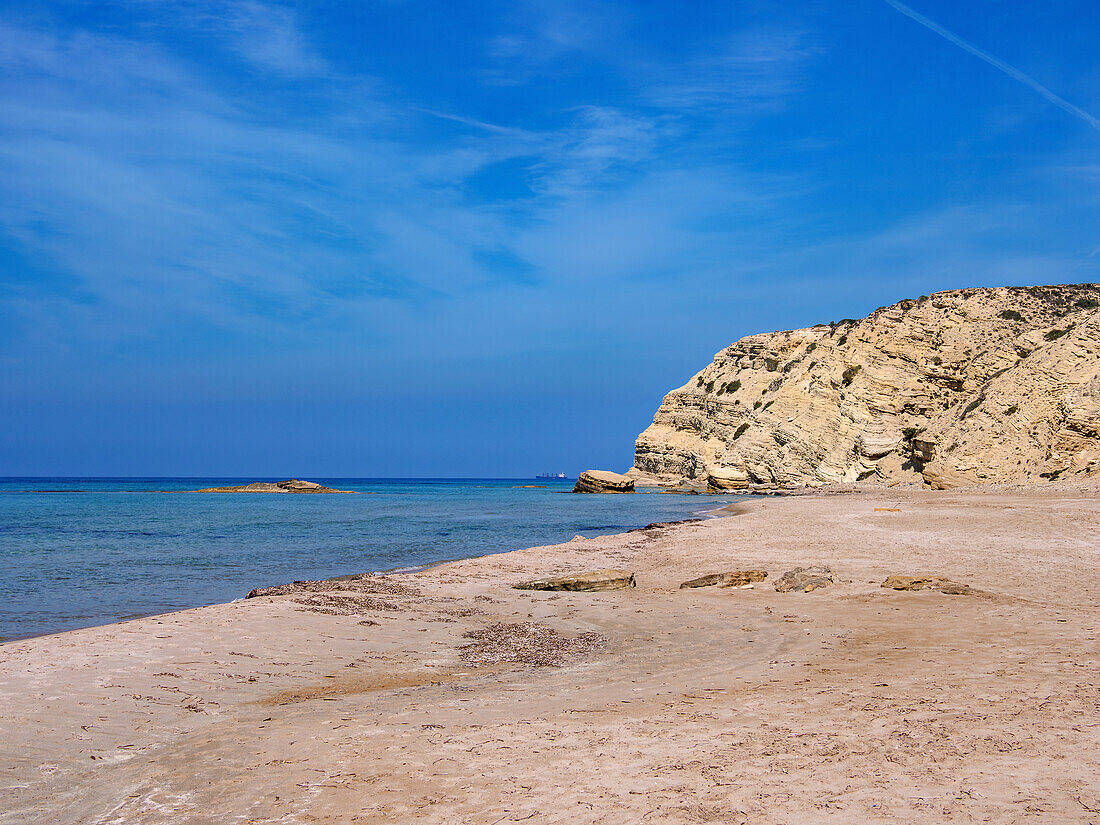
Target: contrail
1011, 71
477, 124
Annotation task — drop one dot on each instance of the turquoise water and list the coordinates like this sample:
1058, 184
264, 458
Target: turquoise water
91, 551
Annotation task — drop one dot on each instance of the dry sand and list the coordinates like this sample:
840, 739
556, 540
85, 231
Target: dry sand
848, 704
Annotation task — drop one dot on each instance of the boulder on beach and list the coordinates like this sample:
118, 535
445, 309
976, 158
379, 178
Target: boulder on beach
941, 584
593, 580
292, 485
735, 578
603, 481
805, 579
721, 479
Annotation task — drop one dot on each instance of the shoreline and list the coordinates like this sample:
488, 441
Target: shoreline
397, 570
445, 695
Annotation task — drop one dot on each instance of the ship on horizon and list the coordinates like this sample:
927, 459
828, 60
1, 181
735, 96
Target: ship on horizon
551, 476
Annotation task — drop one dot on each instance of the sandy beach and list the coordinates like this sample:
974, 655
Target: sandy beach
447, 696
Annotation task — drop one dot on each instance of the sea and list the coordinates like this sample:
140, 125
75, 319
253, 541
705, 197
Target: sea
77, 552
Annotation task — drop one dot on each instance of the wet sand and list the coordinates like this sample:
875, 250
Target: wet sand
847, 704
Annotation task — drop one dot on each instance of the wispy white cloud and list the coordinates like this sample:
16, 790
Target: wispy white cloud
997, 63
162, 197
542, 34
599, 144
268, 35
167, 202
983, 242
150, 200
755, 67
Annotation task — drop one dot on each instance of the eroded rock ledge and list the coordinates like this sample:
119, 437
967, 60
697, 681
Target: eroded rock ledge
603, 481
958, 388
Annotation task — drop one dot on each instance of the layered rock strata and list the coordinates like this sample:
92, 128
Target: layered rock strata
940, 583
735, 578
594, 580
958, 388
603, 481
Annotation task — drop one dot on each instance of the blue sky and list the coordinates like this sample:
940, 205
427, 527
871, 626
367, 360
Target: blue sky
404, 237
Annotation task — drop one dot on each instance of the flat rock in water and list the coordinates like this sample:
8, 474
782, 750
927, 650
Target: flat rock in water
603, 481
736, 578
594, 580
938, 583
805, 579
292, 485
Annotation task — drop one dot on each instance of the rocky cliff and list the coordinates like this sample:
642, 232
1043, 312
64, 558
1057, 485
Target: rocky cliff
964, 387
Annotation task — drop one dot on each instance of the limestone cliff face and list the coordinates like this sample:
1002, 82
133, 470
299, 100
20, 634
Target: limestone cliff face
963, 387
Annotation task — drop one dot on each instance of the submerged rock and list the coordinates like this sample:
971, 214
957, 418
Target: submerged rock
805, 579
292, 485
593, 580
939, 583
603, 481
736, 578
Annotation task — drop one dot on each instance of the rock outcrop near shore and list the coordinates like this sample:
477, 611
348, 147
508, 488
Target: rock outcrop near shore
603, 481
293, 485
958, 388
